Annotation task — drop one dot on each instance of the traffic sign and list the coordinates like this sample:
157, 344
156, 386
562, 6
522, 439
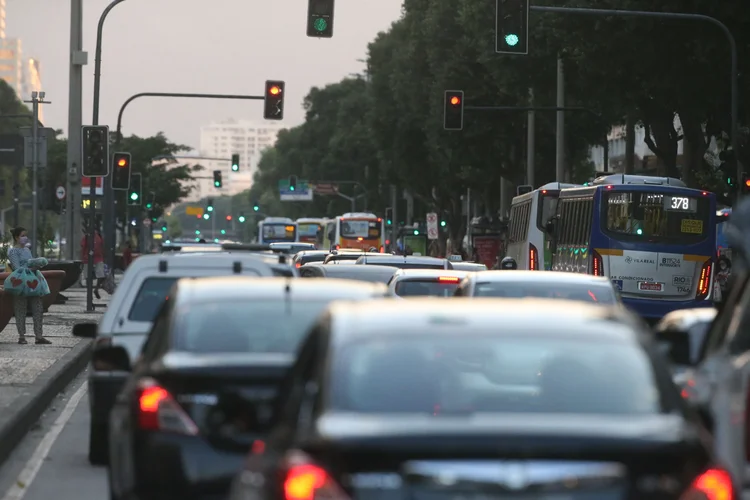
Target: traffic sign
194, 210
302, 192
60, 193
147, 222
432, 226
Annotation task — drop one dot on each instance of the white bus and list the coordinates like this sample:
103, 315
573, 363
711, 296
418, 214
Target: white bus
310, 230
528, 242
277, 229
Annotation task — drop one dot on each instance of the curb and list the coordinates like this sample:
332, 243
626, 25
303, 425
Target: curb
30, 406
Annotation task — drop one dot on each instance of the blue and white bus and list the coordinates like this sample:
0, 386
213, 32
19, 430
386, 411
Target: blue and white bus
277, 229
653, 236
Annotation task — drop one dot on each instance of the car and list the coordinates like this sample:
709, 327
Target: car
681, 334
430, 399
468, 266
404, 261
546, 284
346, 254
376, 274
291, 248
425, 282
130, 314
202, 391
308, 256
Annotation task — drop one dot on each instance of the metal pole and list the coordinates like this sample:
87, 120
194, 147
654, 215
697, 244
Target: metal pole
468, 218
75, 121
394, 214
530, 141
98, 59
34, 168
16, 194
90, 237
560, 128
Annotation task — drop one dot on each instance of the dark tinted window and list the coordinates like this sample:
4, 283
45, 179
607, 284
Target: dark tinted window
402, 264
524, 374
426, 288
150, 298
264, 326
521, 289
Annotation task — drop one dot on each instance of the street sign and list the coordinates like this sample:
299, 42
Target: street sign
86, 186
326, 188
28, 148
147, 222
60, 193
302, 191
194, 210
432, 226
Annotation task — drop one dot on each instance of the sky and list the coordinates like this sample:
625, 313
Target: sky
193, 46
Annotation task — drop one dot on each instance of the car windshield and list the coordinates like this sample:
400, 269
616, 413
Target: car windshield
262, 326
547, 290
150, 298
427, 288
500, 374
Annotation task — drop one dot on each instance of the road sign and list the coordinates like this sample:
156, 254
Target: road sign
60, 193
325, 188
86, 186
194, 210
302, 191
432, 226
147, 222
28, 155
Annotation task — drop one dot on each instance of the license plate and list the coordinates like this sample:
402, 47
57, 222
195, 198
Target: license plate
650, 286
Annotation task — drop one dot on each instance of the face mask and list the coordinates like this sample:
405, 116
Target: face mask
23, 240
723, 267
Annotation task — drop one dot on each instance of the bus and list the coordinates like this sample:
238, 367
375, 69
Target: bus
355, 230
277, 229
652, 236
529, 214
311, 230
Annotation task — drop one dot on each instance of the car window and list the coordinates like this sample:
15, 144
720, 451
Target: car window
549, 290
150, 299
524, 374
426, 288
263, 326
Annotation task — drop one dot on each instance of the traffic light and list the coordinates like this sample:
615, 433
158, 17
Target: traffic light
135, 193
121, 171
256, 206
443, 223
241, 218
95, 151
512, 27
453, 118
388, 216
273, 102
235, 162
320, 18
210, 205
229, 218
745, 183
150, 201
217, 178
164, 227
292, 182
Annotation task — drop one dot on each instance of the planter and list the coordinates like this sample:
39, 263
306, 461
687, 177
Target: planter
6, 309
54, 280
72, 268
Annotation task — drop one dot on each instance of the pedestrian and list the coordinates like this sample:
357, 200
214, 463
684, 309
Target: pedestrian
27, 286
127, 256
99, 273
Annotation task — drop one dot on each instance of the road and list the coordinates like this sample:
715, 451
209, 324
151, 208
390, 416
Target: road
52, 461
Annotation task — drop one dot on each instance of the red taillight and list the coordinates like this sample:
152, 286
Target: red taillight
533, 258
704, 282
298, 265
448, 279
306, 481
158, 411
714, 484
597, 265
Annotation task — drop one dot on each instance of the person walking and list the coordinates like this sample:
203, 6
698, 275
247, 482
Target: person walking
27, 286
98, 260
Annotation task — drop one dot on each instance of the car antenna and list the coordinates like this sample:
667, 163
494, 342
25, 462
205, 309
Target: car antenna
288, 298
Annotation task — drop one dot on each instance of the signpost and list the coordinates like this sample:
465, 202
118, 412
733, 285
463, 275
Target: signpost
60, 193
301, 192
432, 226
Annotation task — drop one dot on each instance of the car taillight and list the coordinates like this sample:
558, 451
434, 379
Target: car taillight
713, 484
533, 258
304, 480
158, 410
298, 265
704, 282
382, 249
597, 264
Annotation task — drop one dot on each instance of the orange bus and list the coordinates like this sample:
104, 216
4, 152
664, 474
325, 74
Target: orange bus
355, 230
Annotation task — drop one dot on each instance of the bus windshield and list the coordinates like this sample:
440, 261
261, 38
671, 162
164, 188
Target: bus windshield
279, 232
655, 217
547, 208
365, 229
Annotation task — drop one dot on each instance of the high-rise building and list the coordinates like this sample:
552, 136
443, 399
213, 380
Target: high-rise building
222, 140
11, 65
2, 18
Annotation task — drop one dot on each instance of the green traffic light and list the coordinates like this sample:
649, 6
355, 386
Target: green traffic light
148, 205
223, 231
416, 232
164, 228
210, 208
443, 223
512, 39
206, 216
242, 218
235, 168
291, 188
217, 183
320, 24
134, 196
197, 231
256, 208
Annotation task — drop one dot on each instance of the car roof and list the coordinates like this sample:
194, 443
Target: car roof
206, 259
405, 258
540, 277
404, 274
684, 319
350, 268
232, 288
427, 316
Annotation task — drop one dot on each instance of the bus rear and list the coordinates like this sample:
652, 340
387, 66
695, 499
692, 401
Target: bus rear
360, 231
657, 244
311, 231
277, 230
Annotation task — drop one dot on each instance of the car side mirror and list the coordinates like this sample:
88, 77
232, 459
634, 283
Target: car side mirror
111, 358
675, 346
85, 330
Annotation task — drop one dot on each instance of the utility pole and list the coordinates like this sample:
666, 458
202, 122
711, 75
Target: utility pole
37, 98
78, 59
530, 140
560, 129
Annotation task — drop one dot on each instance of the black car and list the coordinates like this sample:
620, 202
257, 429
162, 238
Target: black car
308, 256
203, 390
426, 399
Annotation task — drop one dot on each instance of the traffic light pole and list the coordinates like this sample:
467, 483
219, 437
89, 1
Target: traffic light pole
734, 72
352, 199
109, 199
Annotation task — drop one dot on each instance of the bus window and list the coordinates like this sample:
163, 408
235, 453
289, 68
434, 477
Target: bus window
365, 229
547, 209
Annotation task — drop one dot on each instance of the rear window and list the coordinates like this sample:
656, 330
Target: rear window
427, 288
402, 265
257, 326
523, 374
150, 298
521, 289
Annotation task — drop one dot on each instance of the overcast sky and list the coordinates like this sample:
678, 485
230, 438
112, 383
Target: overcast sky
203, 46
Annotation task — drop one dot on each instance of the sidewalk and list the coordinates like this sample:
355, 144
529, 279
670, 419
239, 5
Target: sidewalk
31, 375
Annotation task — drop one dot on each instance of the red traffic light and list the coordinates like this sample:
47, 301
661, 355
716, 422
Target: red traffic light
275, 90
455, 100
229, 217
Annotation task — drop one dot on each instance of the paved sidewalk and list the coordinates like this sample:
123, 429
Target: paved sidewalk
32, 375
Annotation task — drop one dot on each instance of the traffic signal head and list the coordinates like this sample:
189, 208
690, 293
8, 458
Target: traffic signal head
229, 217
443, 223
388, 216
256, 206
292, 182
453, 117
320, 18
164, 227
273, 101
95, 151
512, 27
241, 218
135, 191
121, 171
210, 205
217, 178
235, 163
